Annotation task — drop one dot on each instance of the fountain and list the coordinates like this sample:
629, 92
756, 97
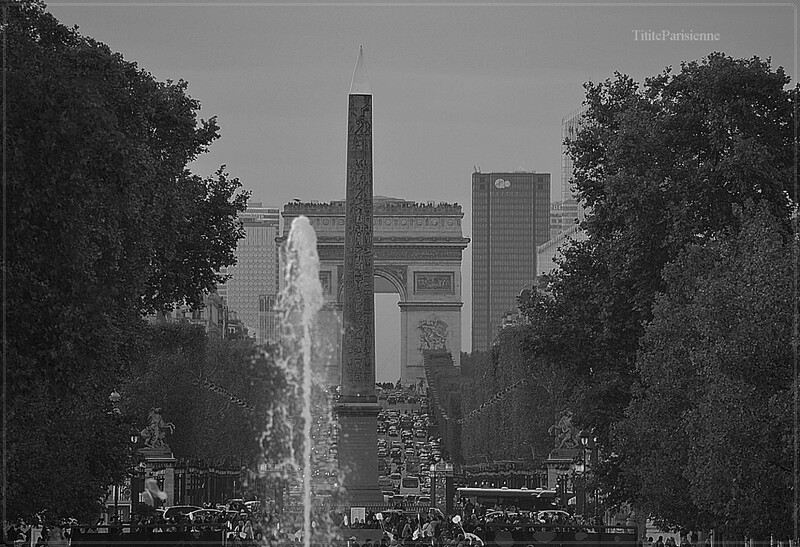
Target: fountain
308, 422
301, 299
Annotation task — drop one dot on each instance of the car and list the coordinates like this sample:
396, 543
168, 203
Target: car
550, 515
205, 515
235, 504
494, 515
396, 478
177, 511
398, 499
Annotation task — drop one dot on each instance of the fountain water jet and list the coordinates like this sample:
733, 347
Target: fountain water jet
300, 302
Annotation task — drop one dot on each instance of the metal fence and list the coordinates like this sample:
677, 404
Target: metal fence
557, 535
152, 535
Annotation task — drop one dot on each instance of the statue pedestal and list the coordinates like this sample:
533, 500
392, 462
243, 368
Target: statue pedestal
560, 461
159, 464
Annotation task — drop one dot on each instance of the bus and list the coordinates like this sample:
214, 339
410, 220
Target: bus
523, 499
410, 485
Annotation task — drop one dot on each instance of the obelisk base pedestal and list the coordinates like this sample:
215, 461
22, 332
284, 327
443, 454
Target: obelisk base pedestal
358, 450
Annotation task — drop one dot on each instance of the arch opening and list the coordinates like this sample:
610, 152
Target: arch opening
388, 335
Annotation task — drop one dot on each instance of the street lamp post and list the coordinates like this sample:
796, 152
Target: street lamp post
432, 470
114, 398
448, 488
589, 442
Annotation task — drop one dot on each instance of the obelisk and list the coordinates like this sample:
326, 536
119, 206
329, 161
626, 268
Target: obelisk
358, 408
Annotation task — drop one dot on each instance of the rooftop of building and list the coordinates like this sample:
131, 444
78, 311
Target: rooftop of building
381, 205
573, 232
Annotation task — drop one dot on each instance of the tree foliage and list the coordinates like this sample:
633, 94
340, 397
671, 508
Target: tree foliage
105, 223
716, 373
209, 426
63, 453
661, 166
515, 426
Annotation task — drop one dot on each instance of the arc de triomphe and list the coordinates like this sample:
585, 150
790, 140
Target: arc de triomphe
418, 251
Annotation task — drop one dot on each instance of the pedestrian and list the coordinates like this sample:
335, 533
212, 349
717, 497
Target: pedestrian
247, 531
12, 534
407, 532
42, 539
56, 537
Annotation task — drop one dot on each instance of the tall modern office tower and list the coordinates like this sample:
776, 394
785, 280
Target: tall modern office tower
510, 217
571, 211
252, 290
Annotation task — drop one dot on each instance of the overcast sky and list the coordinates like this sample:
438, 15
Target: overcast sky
454, 86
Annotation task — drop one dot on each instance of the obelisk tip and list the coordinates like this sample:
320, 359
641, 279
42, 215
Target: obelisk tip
359, 85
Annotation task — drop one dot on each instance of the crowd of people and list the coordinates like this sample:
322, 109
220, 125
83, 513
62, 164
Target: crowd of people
38, 534
240, 529
466, 527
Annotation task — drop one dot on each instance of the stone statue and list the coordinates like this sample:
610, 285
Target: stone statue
434, 334
156, 430
565, 433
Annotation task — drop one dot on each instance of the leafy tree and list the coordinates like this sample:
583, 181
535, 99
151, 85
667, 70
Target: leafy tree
208, 425
716, 373
515, 425
106, 223
63, 453
659, 166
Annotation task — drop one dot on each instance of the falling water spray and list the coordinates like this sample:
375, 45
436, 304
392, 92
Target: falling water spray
301, 300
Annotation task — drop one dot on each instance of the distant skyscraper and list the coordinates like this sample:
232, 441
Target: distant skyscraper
549, 252
510, 218
253, 287
572, 212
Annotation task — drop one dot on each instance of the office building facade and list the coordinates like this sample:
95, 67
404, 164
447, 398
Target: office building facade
252, 290
510, 218
572, 212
